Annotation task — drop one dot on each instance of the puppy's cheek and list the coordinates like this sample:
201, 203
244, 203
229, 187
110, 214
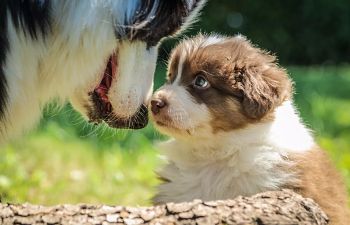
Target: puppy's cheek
200, 115
197, 116
228, 116
180, 106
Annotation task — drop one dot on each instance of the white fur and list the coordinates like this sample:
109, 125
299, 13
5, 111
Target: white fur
40, 70
201, 41
212, 40
227, 164
180, 67
20, 87
132, 91
192, 18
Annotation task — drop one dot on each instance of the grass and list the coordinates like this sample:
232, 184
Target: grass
67, 161
52, 166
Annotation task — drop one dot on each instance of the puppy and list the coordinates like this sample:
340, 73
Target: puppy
100, 54
229, 108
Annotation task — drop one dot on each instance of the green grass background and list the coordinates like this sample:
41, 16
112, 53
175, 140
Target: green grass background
68, 161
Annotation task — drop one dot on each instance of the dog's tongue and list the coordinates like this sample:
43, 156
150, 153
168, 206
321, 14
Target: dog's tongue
109, 74
102, 92
102, 89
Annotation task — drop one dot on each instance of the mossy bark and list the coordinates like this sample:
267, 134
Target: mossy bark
279, 207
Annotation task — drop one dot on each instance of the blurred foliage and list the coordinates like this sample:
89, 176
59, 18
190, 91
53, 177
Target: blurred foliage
300, 32
68, 161
323, 98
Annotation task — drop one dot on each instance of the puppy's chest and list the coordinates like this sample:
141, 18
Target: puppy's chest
224, 179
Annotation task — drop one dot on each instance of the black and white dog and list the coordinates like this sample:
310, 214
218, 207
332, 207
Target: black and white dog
100, 54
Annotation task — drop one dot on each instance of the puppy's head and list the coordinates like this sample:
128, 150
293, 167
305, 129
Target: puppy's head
218, 84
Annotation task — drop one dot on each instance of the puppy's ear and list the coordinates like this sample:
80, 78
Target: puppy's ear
264, 88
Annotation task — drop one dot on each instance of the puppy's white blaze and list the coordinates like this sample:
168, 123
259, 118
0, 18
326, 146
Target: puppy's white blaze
134, 81
180, 67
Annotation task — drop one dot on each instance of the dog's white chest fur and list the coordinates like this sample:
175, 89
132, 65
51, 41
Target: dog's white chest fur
243, 162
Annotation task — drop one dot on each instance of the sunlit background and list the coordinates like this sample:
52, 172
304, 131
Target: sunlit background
66, 160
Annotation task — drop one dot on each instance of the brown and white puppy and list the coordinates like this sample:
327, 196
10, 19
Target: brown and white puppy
228, 107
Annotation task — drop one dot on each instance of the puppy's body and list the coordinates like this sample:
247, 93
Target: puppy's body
99, 54
228, 106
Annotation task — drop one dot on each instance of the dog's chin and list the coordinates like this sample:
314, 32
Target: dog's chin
101, 109
103, 112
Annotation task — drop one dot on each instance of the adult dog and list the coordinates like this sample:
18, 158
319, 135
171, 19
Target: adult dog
99, 54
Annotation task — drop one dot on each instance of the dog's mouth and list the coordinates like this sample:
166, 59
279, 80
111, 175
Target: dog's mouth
102, 108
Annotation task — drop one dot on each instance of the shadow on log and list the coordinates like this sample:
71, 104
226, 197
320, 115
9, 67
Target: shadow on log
279, 207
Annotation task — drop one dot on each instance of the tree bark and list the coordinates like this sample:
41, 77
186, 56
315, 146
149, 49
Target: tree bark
279, 207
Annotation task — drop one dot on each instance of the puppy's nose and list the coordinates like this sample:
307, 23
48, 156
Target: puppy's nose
157, 105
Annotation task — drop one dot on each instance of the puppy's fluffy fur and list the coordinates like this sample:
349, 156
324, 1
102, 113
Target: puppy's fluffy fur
229, 108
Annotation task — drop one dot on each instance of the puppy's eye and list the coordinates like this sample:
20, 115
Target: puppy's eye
200, 82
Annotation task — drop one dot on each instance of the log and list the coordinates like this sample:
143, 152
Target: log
278, 207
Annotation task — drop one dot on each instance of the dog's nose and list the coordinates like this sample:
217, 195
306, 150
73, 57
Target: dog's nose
157, 105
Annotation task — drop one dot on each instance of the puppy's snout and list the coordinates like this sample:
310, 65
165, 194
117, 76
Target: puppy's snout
157, 104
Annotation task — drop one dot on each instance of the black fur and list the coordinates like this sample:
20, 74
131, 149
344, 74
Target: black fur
168, 18
3, 50
31, 16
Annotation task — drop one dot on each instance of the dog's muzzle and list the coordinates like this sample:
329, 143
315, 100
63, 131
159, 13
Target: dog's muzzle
102, 109
104, 112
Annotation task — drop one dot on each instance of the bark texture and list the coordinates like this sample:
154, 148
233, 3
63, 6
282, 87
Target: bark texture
280, 207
